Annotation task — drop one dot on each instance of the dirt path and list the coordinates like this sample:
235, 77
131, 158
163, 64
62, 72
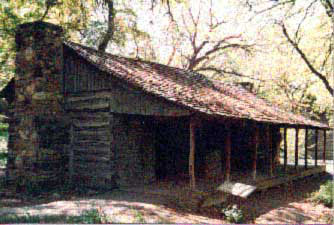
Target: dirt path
120, 207
287, 204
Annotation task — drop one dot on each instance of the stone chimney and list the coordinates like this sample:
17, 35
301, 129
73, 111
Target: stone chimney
36, 129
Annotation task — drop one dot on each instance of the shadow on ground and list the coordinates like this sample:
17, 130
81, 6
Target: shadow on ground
284, 204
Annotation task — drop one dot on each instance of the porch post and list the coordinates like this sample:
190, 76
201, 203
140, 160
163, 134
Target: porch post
285, 150
296, 148
316, 147
306, 133
324, 150
192, 154
228, 154
255, 142
270, 146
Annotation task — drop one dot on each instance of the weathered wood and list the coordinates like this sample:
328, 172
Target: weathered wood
265, 184
83, 173
324, 150
306, 139
88, 104
255, 145
70, 156
92, 149
88, 157
192, 154
296, 148
316, 147
285, 150
92, 128
101, 137
270, 150
227, 154
90, 124
92, 167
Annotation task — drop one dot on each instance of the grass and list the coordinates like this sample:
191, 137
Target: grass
325, 194
4, 130
92, 216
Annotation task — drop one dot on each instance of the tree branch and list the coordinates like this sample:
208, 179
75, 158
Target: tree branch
111, 27
223, 71
307, 61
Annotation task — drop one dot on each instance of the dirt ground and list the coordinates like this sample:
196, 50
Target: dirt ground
285, 204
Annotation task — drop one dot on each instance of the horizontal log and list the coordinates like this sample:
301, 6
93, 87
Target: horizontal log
87, 95
92, 167
91, 150
93, 128
93, 142
89, 104
88, 110
90, 137
290, 177
89, 116
93, 173
92, 145
91, 158
92, 124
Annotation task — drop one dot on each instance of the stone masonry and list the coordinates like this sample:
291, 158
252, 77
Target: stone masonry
36, 133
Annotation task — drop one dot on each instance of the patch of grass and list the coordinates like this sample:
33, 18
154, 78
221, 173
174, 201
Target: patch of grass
3, 159
11, 218
139, 218
4, 130
325, 194
92, 216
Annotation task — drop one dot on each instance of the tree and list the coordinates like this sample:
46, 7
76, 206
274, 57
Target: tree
292, 22
197, 39
69, 14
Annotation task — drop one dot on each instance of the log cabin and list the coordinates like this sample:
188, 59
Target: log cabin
103, 121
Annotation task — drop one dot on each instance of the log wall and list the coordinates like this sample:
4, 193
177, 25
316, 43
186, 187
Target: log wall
112, 144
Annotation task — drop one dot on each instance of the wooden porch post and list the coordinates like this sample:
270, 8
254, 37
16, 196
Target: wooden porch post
296, 149
228, 154
255, 144
316, 147
71, 154
324, 150
285, 150
269, 153
306, 134
192, 154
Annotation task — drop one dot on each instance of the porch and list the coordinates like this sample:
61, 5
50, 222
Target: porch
210, 192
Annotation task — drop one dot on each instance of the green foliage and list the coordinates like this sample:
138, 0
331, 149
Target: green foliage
69, 14
139, 217
325, 194
10, 218
3, 159
3, 130
233, 214
92, 216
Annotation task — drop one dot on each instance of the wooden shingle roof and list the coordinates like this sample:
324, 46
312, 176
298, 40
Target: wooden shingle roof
192, 89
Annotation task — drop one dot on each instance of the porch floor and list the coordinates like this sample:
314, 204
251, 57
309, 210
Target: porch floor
180, 189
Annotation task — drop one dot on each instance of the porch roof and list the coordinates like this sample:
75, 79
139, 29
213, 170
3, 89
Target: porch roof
192, 90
